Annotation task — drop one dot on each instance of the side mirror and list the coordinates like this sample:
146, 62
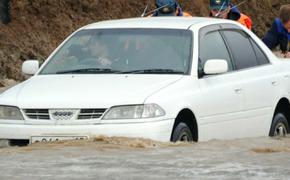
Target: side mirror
215, 66
30, 67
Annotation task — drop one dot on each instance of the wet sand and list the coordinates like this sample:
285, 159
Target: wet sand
122, 158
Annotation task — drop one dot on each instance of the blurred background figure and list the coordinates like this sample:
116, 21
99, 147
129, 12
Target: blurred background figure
5, 11
224, 9
279, 34
169, 8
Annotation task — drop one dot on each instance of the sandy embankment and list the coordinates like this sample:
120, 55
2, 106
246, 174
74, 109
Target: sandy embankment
6, 83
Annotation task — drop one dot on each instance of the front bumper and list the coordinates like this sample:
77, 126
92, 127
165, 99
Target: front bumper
158, 130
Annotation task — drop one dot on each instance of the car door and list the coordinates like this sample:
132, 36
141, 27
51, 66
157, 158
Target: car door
223, 95
260, 83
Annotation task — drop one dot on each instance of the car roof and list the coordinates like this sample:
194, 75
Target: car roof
155, 22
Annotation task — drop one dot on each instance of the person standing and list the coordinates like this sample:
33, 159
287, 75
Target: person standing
169, 8
279, 34
5, 11
225, 10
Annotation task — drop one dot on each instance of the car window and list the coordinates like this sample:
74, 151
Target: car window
261, 57
111, 51
241, 48
212, 46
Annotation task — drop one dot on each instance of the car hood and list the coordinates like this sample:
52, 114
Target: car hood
85, 91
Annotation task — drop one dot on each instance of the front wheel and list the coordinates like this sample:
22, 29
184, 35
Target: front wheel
181, 133
280, 126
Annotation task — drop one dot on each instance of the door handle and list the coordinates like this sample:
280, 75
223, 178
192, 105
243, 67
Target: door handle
238, 90
274, 83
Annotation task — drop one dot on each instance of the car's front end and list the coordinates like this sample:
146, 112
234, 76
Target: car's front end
99, 82
41, 109
58, 127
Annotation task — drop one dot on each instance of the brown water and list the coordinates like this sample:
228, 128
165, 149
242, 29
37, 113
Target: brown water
123, 158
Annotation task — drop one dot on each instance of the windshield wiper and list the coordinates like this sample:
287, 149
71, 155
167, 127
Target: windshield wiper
88, 71
154, 71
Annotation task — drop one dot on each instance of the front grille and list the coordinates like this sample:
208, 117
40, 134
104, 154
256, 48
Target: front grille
90, 114
43, 114
38, 114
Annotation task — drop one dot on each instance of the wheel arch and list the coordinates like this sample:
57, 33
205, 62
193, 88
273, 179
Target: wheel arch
187, 116
283, 106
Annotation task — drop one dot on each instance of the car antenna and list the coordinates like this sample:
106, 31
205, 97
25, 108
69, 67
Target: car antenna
219, 13
146, 8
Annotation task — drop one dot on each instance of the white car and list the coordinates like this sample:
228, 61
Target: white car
167, 79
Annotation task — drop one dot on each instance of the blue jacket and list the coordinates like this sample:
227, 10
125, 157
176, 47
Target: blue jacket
277, 35
179, 12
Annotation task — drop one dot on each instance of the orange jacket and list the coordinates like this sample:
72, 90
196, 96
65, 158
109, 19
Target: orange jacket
185, 14
246, 21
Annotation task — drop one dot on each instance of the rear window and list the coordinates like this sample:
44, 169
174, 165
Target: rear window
241, 49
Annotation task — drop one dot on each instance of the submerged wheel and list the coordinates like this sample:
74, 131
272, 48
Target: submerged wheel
280, 126
181, 133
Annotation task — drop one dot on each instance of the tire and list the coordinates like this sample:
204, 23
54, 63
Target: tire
181, 133
280, 126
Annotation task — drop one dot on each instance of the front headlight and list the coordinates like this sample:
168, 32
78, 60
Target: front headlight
10, 113
134, 112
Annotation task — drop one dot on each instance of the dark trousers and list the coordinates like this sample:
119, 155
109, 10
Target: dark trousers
5, 11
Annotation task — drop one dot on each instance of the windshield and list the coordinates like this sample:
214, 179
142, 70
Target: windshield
142, 51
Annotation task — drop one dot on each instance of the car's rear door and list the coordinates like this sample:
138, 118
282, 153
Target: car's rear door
259, 80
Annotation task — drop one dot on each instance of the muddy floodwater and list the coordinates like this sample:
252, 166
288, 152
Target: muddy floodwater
122, 158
